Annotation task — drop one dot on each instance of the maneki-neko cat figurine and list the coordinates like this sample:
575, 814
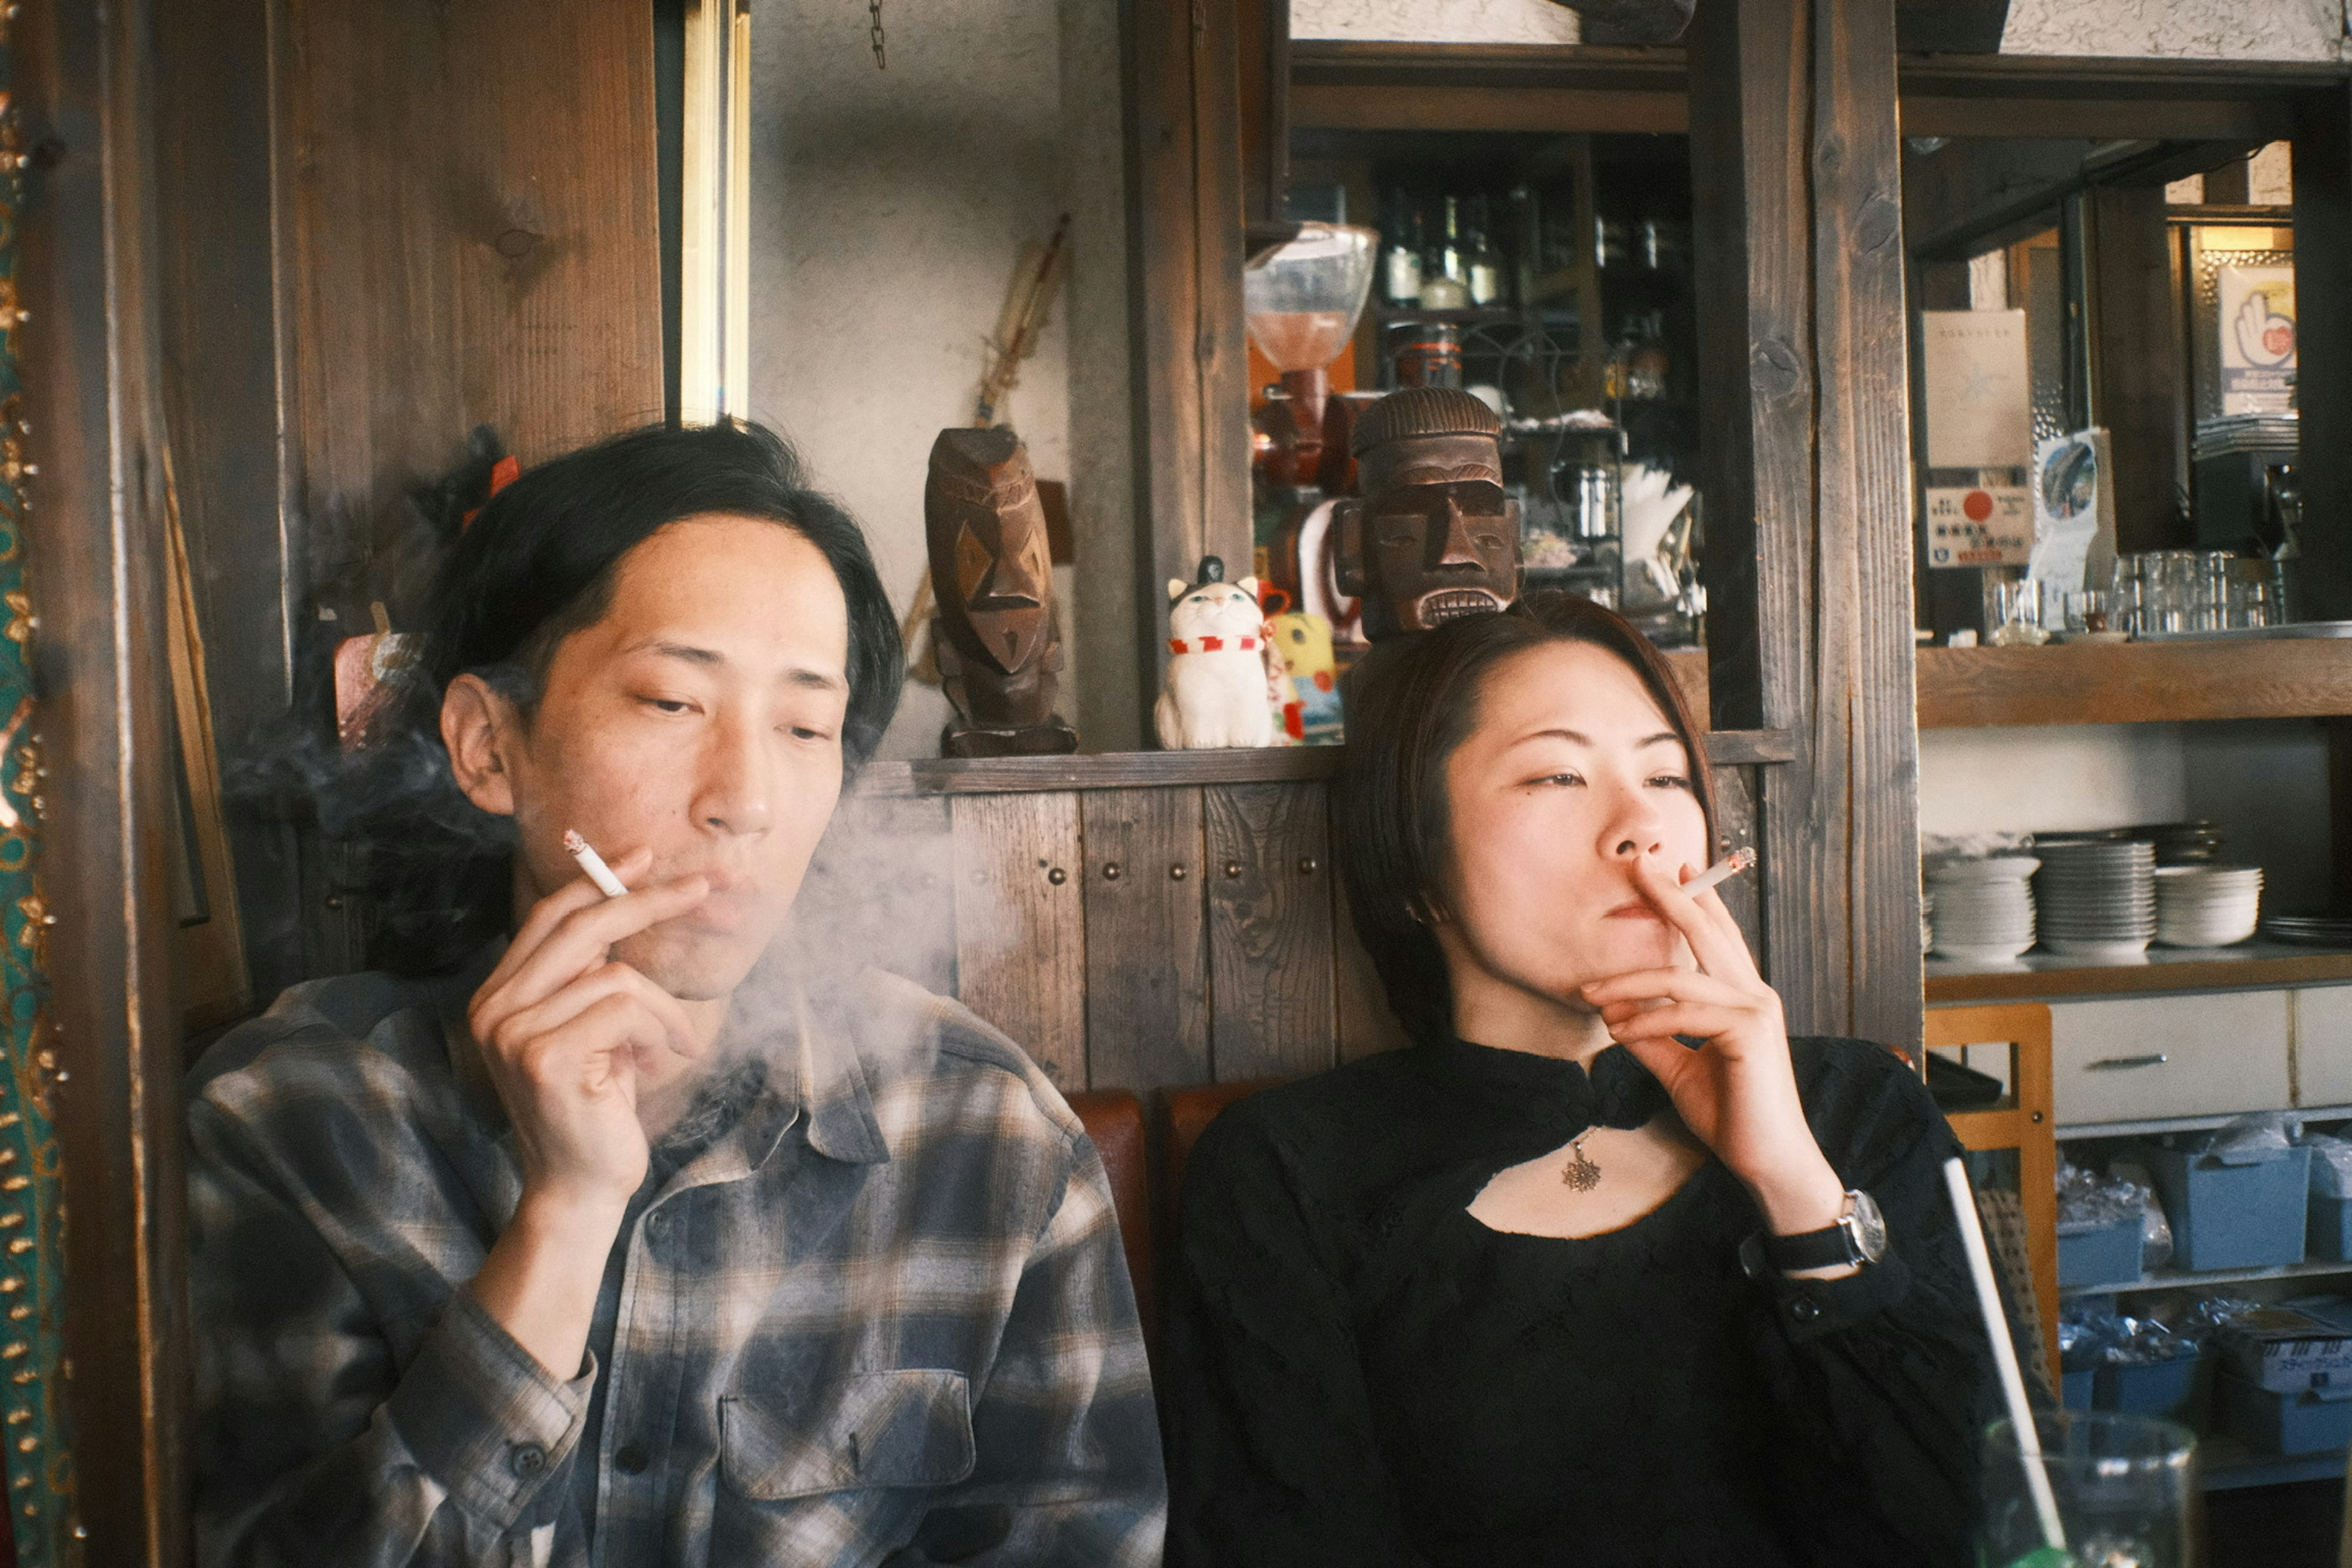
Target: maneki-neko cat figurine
992, 571
1435, 536
1218, 690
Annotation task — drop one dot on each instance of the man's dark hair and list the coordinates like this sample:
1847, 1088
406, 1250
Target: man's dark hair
1411, 703
537, 564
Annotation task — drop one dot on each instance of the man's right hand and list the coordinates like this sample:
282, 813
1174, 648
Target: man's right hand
565, 1030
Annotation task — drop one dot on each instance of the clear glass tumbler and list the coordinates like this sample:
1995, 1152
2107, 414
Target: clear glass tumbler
2120, 1488
2124, 594
2017, 613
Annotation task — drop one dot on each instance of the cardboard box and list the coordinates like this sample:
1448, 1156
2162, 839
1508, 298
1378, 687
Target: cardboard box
2285, 1350
2233, 1215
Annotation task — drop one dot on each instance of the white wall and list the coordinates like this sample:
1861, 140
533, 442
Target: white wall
888, 210
1435, 21
2185, 29
2263, 781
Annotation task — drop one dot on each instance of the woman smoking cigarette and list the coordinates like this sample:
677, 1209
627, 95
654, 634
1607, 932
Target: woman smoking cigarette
1723, 870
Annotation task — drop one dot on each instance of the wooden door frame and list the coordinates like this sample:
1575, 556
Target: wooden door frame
95, 538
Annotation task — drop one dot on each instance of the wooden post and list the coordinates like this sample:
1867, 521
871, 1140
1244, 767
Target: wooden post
94, 536
1185, 258
1795, 160
2322, 296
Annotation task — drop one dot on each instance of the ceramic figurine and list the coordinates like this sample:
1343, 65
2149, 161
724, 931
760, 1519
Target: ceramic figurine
1216, 693
1435, 536
992, 573
1309, 693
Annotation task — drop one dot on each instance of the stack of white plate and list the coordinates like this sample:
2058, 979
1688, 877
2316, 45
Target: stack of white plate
2096, 896
1983, 910
2206, 906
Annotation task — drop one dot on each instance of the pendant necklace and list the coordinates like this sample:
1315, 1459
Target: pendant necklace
1581, 1176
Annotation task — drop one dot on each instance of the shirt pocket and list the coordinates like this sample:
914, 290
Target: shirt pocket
910, 1428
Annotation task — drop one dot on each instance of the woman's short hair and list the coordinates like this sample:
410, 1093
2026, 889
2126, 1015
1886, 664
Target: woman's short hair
538, 563
1411, 702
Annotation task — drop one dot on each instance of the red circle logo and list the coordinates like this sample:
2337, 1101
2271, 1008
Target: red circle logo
1977, 506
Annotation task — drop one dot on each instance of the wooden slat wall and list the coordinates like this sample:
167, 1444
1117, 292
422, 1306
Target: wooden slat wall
1139, 937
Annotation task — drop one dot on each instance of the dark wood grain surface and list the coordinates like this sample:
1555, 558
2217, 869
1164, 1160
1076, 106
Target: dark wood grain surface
1020, 924
471, 232
94, 534
1190, 362
2124, 683
1270, 954
2323, 293
1147, 974
1863, 694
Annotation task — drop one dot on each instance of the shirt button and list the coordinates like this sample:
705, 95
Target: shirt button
657, 1223
528, 1461
632, 1460
1804, 1308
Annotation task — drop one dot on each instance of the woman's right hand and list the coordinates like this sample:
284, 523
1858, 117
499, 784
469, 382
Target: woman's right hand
563, 1028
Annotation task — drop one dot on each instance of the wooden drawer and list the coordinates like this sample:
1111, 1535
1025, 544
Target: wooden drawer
2323, 1045
2145, 1057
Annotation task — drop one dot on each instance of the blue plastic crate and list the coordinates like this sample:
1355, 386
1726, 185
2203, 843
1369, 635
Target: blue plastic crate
2328, 1233
2108, 1255
2283, 1424
2177, 1390
2074, 1388
2233, 1217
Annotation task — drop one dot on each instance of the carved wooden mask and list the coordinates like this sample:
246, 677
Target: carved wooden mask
991, 567
1435, 538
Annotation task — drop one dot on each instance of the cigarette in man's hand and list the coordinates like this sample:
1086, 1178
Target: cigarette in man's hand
1723, 870
579, 849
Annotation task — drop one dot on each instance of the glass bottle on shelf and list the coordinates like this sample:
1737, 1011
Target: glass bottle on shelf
1453, 261
1401, 260
1485, 266
1646, 366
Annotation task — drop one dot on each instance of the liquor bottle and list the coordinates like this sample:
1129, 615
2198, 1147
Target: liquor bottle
1400, 263
1452, 261
1646, 370
1485, 266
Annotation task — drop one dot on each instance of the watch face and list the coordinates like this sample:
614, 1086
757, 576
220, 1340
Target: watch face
1869, 1228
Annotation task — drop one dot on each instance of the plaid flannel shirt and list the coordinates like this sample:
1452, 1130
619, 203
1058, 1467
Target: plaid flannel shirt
884, 1316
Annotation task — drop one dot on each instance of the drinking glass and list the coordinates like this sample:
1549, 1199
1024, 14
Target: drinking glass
2086, 611
2123, 595
2121, 1485
2213, 591
2017, 612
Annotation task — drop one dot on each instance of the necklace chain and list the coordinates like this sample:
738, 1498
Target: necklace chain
874, 9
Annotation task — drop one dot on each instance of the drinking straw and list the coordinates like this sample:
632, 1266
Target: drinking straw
2004, 1352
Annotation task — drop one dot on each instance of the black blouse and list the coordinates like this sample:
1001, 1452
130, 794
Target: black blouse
1360, 1373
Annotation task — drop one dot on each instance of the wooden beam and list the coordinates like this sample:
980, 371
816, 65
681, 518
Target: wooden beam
2138, 370
84, 76
1480, 108
1184, 256
1798, 237
2323, 293
2129, 683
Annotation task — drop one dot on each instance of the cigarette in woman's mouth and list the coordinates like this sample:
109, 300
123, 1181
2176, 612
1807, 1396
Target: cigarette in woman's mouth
579, 849
1723, 870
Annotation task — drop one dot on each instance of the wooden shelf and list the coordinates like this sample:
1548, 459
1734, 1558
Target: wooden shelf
2040, 975
2189, 1279
2124, 683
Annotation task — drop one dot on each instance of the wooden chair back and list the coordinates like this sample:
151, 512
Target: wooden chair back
2026, 1121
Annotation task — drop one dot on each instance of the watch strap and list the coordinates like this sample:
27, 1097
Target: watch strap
1830, 1248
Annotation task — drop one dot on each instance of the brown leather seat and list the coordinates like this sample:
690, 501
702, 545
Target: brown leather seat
1114, 1119
1188, 1112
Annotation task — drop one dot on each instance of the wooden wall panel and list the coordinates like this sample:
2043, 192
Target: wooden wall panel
1270, 952
470, 227
2323, 296
1738, 821
1146, 973
1021, 940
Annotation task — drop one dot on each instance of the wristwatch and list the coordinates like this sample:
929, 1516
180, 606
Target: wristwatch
1859, 1236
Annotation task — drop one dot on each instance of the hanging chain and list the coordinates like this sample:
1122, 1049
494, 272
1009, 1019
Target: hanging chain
874, 9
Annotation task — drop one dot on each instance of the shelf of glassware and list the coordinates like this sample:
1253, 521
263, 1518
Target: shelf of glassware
2038, 975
